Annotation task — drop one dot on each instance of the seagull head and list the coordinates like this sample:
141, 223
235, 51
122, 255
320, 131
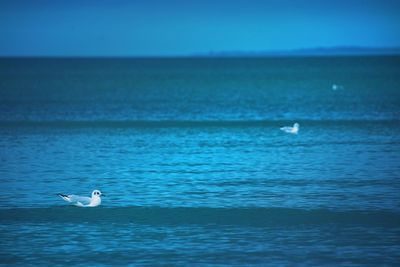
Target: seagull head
96, 193
296, 125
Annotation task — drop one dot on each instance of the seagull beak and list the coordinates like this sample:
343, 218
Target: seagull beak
103, 195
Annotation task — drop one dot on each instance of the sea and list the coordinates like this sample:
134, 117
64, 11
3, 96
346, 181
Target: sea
194, 168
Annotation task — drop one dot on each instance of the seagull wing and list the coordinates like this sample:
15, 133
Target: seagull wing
82, 200
286, 129
74, 199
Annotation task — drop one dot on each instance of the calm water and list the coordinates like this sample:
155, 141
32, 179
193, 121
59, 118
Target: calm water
192, 162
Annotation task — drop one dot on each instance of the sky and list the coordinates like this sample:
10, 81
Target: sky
179, 27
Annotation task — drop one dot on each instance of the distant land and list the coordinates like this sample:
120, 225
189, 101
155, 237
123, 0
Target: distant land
317, 51
306, 52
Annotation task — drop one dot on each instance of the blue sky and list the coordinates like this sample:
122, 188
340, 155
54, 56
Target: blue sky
178, 27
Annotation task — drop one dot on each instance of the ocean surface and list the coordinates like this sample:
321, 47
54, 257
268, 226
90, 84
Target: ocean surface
193, 165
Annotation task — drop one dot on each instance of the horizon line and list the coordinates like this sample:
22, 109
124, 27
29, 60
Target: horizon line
320, 51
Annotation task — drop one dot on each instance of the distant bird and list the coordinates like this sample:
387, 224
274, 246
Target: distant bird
292, 130
80, 201
336, 87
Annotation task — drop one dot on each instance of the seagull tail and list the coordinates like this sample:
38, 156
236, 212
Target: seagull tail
65, 197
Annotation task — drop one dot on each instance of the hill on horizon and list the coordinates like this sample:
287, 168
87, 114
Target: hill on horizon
317, 51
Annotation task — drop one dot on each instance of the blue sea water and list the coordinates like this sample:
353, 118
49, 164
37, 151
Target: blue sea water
192, 162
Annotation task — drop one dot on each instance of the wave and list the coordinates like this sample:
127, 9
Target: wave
201, 216
180, 123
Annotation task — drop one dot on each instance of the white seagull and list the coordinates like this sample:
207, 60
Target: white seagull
80, 201
292, 130
336, 87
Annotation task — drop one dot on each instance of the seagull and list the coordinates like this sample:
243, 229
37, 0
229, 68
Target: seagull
336, 87
292, 130
80, 201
